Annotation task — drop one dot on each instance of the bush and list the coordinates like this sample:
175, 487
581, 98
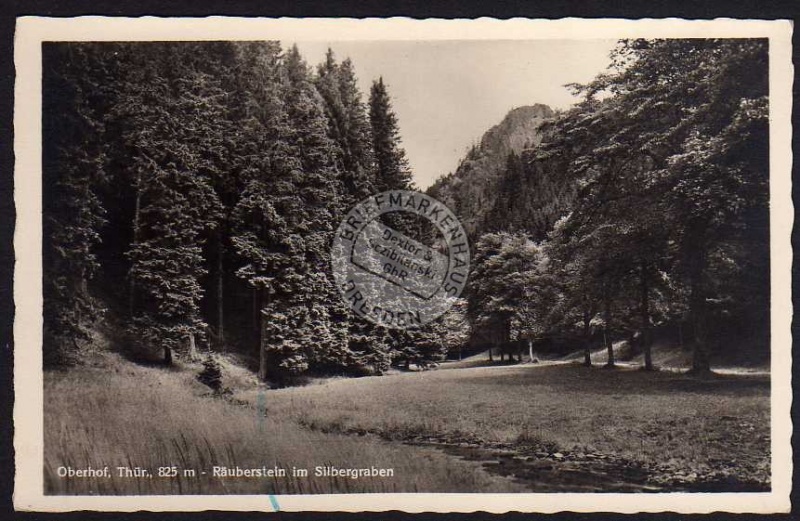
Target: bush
211, 375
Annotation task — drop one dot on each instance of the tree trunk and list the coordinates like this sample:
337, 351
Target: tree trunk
700, 358
530, 350
607, 329
167, 355
587, 329
262, 359
220, 294
256, 318
136, 233
645, 315
697, 301
192, 347
587, 344
506, 342
84, 283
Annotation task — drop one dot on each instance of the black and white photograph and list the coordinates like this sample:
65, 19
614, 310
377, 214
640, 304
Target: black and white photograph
293, 264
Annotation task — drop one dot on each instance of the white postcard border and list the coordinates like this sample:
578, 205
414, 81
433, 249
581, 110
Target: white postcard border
28, 378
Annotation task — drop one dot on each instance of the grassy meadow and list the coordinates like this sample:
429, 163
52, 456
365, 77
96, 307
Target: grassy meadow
116, 413
516, 428
714, 429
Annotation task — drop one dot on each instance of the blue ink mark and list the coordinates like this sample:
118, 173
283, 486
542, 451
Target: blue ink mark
274, 501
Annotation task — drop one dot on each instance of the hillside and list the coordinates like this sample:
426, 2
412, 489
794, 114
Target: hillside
472, 190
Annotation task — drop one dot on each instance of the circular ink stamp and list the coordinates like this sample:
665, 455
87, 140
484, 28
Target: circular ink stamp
391, 278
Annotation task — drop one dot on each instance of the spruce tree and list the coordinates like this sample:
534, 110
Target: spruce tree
392, 167
263, 220
75, 161
286, 216
318, 186
349, 127
172, 110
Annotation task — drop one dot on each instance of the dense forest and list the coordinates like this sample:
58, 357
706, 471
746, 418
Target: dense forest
196, 186
192, 190
643, 208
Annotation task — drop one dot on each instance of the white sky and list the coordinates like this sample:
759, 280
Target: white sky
446, 94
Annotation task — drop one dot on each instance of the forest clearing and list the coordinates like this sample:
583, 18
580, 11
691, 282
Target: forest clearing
523, 428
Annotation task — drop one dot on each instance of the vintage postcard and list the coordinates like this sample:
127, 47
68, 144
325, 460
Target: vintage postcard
395, 264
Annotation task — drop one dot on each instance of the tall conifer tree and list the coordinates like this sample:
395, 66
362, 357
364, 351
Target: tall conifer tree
392, 167
74, 168
172, 109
